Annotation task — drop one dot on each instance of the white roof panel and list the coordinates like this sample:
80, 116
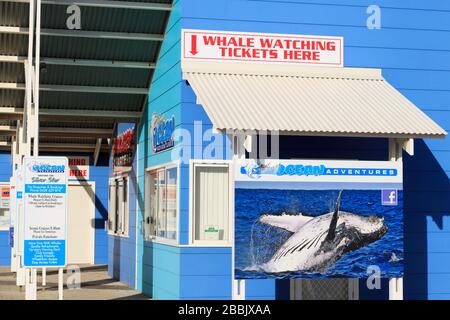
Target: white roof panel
305, 100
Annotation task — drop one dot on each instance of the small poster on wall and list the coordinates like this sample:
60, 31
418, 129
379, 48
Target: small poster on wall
123, 148
318, 219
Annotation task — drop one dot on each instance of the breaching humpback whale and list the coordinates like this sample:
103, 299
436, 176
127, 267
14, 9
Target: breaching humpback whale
318, 242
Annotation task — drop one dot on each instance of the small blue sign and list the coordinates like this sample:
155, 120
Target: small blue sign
389, 197
38, 253
162, 133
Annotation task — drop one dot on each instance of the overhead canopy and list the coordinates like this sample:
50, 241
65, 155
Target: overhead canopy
305, 100
90, 79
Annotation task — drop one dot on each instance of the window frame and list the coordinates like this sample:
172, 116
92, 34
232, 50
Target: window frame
209, 243
155, 238
124, 215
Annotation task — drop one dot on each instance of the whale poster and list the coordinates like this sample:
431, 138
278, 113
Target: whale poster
318, 219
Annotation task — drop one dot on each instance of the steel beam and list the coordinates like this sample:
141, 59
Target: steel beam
104, 4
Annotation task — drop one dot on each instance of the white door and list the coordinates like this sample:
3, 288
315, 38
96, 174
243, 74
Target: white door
81, 224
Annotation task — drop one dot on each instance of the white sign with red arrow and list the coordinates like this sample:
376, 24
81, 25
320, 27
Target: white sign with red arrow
259, 47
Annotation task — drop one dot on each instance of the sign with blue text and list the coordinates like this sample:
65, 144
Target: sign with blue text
45, 211
12, 211
318, 219
162, 133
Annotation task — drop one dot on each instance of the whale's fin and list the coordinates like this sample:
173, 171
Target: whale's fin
334, 219
289, 222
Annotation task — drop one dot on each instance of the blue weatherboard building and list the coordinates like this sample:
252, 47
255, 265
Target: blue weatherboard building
411, 51
259, 114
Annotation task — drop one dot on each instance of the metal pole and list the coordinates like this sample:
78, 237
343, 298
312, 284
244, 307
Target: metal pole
60, 283
29, 78
44, 277
37, 78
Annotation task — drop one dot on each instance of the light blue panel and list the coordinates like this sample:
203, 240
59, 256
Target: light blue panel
5, 166
164, 263
5, 250
205, 287
261, 289
157, 273
206, 273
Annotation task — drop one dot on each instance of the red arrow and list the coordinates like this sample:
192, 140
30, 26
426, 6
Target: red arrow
194, 50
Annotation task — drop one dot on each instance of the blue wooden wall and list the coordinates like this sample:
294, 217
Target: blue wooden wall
158, 264
409, 48
415, 58
122, 250
5, 174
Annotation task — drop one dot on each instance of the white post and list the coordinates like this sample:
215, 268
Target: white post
237, 286
44, 277
60, 283
395, 284
396, 289
29, 80
30, 284
37, 79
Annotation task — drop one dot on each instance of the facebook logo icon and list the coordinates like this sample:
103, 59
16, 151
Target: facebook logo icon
389, 197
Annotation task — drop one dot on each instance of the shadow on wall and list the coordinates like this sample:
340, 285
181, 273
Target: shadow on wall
426, 204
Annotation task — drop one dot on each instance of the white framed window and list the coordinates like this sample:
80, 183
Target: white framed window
211, 203
161, 204
119, 206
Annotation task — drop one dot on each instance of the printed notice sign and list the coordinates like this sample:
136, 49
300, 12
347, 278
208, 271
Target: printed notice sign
258, 47
45, 207
78, 167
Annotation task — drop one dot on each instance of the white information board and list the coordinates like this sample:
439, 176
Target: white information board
45, 211
12, 211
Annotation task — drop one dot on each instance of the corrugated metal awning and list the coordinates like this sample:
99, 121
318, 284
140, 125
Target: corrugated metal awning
305, 100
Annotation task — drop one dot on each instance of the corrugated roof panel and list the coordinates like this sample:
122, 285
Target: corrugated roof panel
95, 76
76, 124
309, 101
12, 72
12, 98
91, 101
13, 44
98, 19
106, 19
99, 49
13, 14
65, 140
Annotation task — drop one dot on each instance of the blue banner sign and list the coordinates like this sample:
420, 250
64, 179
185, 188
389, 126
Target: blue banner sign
162, 132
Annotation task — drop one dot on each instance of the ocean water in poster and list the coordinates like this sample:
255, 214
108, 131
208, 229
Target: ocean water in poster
317, 233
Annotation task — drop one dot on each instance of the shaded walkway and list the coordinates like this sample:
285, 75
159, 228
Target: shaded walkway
95, 285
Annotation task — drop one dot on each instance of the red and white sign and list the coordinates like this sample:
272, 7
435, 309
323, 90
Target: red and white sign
258, 47
4, 198
78, 168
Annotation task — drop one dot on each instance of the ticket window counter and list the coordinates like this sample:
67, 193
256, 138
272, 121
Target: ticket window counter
161, 204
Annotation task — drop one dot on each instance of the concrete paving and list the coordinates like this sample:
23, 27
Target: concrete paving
95, 285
